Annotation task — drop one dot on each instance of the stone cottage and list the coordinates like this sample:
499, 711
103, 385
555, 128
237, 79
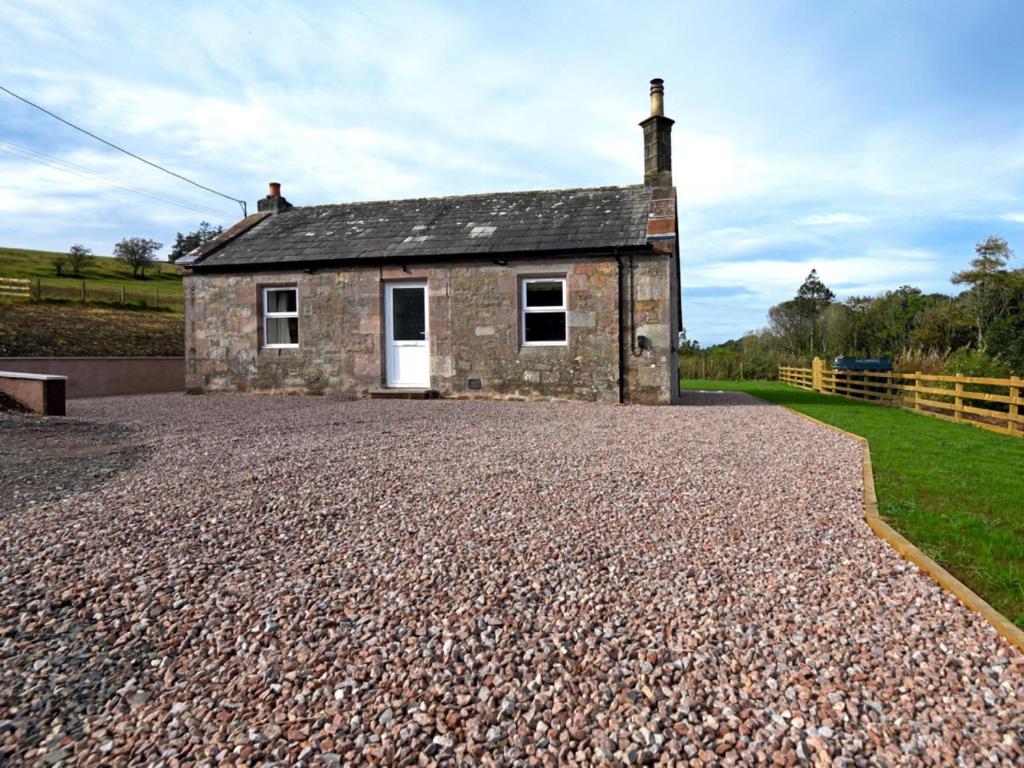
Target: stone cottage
570, 293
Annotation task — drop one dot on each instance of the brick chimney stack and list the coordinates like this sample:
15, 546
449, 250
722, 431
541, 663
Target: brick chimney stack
273, 202
657, 140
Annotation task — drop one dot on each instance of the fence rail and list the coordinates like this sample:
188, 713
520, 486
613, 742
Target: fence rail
84, 292
798, 377
10, 286
954, 398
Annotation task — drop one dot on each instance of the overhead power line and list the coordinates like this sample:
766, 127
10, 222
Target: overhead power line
56, 163
122, 149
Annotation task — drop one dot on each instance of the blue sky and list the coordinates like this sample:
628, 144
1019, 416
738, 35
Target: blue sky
874, 141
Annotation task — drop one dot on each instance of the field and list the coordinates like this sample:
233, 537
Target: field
953, 490
31, 329
104, 277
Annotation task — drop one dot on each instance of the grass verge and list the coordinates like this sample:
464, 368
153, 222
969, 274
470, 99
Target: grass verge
955, 491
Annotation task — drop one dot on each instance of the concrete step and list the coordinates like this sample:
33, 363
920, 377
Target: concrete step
404, 394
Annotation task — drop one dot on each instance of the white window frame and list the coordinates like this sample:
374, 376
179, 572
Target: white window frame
524, 310
268, 315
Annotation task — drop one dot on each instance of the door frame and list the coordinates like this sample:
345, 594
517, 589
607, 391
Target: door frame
389, 286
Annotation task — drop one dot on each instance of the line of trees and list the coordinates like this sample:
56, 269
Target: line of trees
139, 253
76, 259
977, 332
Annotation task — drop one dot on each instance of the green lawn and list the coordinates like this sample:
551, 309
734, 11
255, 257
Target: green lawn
104, 278
955, 491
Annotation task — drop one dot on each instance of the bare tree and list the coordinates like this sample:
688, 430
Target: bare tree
78, 258
138, 252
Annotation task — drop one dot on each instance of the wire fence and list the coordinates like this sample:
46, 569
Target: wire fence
86, 293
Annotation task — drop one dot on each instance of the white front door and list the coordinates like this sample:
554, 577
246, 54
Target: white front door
405, 332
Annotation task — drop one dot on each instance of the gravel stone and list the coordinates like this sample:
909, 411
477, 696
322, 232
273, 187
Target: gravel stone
283, 580
47, 458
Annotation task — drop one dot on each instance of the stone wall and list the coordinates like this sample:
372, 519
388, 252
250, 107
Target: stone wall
474, 330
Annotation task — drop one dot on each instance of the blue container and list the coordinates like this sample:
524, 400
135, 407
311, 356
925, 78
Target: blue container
862, 364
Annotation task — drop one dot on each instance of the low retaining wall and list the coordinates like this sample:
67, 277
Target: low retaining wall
42, 393
99, 376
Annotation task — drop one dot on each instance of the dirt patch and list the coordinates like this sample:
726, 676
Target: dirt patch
9, 405
46, 459
62, 330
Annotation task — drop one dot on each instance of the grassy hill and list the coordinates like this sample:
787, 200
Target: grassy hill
105, 278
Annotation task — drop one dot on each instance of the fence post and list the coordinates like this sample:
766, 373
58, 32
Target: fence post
958, 401
917, 394
1014, 414
39, 288
122, 295
83, 291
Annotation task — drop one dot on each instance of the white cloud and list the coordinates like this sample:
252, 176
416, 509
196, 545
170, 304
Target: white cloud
774, 280
834, 219
783, 159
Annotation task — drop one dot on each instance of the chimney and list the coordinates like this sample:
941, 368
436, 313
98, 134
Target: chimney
657, 140
273, 202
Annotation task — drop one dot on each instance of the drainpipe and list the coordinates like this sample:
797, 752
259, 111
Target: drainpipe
632, 310
622, 331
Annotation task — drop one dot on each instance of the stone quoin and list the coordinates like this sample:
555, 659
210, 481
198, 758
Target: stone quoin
571, 293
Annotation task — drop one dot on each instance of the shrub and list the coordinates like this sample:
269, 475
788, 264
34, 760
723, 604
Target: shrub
971, 362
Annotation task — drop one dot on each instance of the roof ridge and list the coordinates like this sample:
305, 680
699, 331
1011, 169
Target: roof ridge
607, 187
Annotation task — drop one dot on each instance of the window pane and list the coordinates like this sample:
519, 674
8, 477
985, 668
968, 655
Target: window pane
408, 319
282, 300
282, 330
545, 294
545, 326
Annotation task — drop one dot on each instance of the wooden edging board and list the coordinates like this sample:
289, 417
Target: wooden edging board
967, 597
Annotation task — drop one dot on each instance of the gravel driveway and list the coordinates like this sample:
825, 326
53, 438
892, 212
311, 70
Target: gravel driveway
314, 580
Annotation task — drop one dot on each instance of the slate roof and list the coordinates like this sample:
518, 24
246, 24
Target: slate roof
504, 222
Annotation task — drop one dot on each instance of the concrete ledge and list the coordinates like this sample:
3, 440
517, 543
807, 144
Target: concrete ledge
39, 392
967, 597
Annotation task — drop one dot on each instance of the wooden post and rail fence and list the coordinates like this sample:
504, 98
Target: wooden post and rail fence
956, 398
79, 291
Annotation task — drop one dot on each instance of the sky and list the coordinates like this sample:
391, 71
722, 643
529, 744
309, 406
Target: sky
876, 142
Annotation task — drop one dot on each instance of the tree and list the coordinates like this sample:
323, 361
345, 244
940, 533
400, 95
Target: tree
839, 324
815, 292
687, 345
891, 317
59, 261
945, 325
800, 321
138, 252
991, 285
78, 258
183, 243
811, 299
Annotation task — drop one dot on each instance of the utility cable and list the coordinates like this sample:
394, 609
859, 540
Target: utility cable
122, 149
74, 169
